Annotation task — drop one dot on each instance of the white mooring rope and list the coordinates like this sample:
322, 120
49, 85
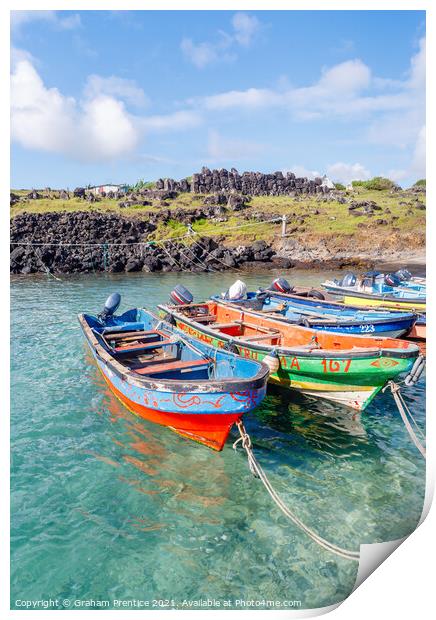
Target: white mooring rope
257, 471
405, 414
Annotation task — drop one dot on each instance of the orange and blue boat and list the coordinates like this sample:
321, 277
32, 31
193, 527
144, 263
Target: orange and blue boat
167, 377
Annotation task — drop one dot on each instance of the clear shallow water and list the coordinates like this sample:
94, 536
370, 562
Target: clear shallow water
107, 506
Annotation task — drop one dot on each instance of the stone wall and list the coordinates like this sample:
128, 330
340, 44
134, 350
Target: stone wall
86, 242
252, 183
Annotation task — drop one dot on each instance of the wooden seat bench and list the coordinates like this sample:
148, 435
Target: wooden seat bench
205, 318
142, 346
226, 325
180, 365
133, 335
255, 338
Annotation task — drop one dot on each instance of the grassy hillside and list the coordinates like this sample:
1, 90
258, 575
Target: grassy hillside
309, 219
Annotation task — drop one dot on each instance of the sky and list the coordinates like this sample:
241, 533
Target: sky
118, 96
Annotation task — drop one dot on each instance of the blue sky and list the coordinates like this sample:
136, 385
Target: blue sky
100, 96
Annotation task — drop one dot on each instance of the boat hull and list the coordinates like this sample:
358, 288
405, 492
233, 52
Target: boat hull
338, 320
204, 418
203, 411
352, 380
210, 430
392, 328
393, 321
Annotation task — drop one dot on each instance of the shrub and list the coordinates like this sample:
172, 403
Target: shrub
339, 186
376, 183
379, 183
420, 183
141, 184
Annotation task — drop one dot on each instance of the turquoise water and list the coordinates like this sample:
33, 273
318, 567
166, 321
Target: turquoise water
107, 506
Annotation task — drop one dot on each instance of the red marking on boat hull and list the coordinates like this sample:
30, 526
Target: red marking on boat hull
210, 430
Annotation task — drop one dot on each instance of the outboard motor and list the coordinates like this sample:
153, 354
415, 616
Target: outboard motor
391, 279
237, 291
403, 274
181, 296
281, 285
349, 279
110, 307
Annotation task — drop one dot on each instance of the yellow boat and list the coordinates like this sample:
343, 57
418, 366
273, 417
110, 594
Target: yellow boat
385, 301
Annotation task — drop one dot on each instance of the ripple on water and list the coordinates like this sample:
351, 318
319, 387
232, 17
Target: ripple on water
105, 504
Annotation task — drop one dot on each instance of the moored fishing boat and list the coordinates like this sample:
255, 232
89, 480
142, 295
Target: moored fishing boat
164, 376
281, 289
371, 290
346, 369
321, 315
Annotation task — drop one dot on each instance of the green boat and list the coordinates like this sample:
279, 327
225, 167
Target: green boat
346, 369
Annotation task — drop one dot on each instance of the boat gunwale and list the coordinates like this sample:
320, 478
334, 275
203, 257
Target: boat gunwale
173, 385
411, 317
316, 353
341, 304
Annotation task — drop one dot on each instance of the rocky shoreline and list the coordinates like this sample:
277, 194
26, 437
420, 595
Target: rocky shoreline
82, 242
87, 242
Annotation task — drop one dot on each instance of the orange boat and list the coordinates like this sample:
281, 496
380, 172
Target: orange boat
344, 368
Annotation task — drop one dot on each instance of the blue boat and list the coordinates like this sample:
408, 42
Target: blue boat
325, 315
165, 376
377, 284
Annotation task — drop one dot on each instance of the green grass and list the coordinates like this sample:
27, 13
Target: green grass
308, 219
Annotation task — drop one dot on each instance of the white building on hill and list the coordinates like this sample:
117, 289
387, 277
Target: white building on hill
109, 187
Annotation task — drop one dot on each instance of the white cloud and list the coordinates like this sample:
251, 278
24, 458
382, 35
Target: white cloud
200, 55
250, 98
418, 67
345, 173
18, 54
244, 30
107, 128
127, 90
347, 90
221, 148
44, 119
96, 128
336, 92
418, 161
403, 113
347, 77
64, 20
181, 120
302, 171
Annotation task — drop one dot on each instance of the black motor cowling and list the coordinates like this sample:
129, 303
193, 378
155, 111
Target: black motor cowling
349, 279
391, 279
403, 274
181, 296
281, 285
110, 306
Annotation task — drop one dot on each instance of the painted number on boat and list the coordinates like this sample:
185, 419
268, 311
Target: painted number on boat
336, 365
367, 329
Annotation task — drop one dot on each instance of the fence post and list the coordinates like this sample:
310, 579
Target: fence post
284, 219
